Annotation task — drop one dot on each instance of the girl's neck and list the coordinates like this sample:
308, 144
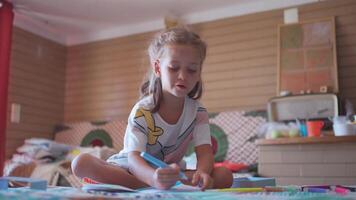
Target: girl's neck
171, 108
173, 102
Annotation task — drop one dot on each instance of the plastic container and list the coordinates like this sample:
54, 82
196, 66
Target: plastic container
314, 128
344, 129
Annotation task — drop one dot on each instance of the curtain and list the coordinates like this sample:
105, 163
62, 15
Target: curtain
6, 20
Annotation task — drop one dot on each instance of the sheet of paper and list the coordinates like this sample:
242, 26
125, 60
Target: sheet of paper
176, 188
106, 188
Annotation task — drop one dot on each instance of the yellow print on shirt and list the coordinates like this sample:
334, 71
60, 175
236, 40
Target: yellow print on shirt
153, 131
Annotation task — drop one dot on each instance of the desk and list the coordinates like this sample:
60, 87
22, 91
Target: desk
305, 161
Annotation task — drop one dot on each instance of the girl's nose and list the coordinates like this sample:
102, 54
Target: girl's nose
182, 75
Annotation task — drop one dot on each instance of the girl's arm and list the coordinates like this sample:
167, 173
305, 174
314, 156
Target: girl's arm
205, 165
161, 178
205, 158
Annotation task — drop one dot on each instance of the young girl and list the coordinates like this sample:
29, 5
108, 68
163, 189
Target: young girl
164, 122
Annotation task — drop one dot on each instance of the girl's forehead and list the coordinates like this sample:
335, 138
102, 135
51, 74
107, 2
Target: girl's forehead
181, 47
183, 50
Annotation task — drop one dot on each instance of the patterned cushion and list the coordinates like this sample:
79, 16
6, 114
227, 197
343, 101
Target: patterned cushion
234, 133
106, 133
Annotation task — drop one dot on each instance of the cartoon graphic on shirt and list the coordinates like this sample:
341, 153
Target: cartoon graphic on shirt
153, 131
170, 143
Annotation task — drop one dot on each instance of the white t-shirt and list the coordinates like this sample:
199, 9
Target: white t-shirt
148, 132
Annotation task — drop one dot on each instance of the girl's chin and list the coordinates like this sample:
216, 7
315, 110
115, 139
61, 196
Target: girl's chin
181, 91
180, 94
177, 94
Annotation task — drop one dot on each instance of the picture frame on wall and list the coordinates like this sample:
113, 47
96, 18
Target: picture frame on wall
307, 61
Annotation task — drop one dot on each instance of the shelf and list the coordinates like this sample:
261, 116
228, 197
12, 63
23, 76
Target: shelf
307, 140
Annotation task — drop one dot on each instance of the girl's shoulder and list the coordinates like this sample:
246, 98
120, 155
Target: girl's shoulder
145, 103
195, 105
196, 111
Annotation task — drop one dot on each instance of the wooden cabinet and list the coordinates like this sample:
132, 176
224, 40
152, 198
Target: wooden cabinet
308, 160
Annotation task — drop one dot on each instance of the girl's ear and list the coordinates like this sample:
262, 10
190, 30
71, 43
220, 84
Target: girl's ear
157, 69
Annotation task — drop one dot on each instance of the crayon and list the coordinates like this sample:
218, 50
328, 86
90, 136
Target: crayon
242, 190
281, 189
350, 188
274, 189
341, 190
316, 186
316, 190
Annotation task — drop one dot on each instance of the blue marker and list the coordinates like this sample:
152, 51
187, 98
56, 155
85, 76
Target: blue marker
159, 163
316, 190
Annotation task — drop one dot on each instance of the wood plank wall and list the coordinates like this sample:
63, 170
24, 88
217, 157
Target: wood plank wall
101, 79
240, 70
239, 73
37, 74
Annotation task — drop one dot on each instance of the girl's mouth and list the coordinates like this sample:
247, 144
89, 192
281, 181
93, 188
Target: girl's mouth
180, 86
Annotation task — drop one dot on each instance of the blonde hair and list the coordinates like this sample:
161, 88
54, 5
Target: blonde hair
177, 35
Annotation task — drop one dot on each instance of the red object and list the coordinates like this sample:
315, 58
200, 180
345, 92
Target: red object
341, 190
234, 167
314, 128
6, 20
87, 180
97, 143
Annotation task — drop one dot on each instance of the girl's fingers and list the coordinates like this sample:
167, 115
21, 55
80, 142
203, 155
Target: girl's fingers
168, 171
204, 183
195, 179
208, 182
174, 166
167, 174
186, 182
168, 177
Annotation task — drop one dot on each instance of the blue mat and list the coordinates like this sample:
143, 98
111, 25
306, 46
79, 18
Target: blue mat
61, 193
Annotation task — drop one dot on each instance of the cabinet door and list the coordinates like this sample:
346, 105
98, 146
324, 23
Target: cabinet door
307, 57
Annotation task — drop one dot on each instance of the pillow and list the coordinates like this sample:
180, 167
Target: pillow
233, 134
105, 133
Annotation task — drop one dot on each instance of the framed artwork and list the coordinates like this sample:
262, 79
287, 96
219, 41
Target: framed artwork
307, 57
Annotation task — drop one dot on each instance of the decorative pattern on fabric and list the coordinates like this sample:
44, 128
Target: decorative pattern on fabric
153, 131
219, 142
182, 143
239, 128
110, 133
97, 137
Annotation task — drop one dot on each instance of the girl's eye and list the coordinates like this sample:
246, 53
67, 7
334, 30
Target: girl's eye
192, 71
172, 68
193, 68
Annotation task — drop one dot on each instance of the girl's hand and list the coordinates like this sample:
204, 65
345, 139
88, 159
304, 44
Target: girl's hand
203, 180
165, 178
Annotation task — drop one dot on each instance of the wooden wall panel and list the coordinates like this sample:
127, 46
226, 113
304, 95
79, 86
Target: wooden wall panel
103, 78
240, 68
239, 72
100, 80
37, 75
